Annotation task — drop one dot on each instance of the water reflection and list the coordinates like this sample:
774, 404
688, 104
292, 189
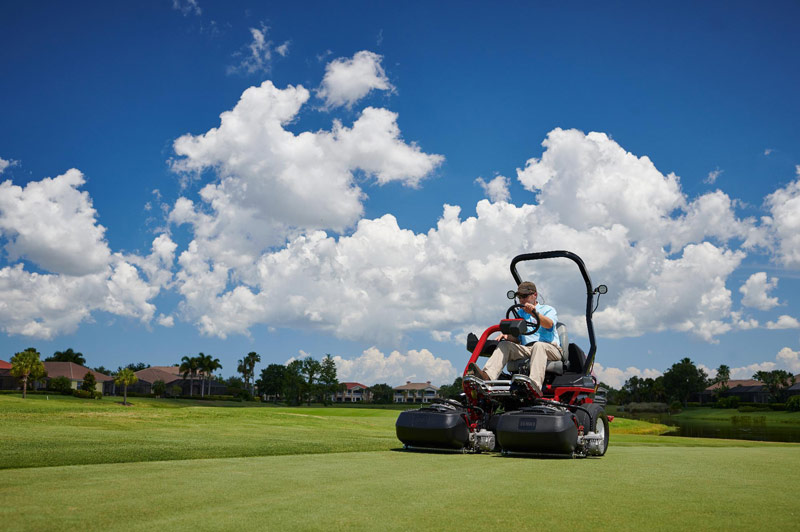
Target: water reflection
738, 427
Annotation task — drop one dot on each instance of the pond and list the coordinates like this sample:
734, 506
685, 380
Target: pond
750, 426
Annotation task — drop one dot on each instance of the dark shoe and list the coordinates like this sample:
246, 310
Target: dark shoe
528, 383
473, 369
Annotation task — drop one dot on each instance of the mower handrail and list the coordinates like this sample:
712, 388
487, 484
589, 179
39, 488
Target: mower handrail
587, 366
479, 346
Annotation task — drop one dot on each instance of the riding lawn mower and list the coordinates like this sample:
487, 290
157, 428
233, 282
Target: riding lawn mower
509, 414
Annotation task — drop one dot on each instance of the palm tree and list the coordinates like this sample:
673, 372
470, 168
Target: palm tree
212, 365
207, 366
247, 367
189, 368
201, 369
125, 377
25, 365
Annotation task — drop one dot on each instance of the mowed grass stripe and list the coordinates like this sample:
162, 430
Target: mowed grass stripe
60, 431
632, 487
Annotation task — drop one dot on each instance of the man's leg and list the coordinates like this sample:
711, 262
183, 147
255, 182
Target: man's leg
542, 352
504, 352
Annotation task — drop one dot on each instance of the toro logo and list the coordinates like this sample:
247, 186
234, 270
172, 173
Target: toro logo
527, 424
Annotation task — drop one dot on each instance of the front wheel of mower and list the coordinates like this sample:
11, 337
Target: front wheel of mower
600, 424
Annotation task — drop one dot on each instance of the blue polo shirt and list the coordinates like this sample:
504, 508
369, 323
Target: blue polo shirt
541, 335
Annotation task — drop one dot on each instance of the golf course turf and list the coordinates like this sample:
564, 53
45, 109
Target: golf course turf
358, 477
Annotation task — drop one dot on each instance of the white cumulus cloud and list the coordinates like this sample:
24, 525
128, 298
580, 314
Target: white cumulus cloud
496, 189
784, 208
756, 291
396, 368
616, 377
53, 224
630, 223
347, 81
784, 322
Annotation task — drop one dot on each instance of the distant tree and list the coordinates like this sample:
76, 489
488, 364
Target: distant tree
271, 381
159, 388
328, 383
125, 378
293, 383
683, 379
26, 366
176, 390
382, 394
452, 391
723, 374
311, 370
137, 366
189, 368
89, 382
776, 382
103, 370
67, 356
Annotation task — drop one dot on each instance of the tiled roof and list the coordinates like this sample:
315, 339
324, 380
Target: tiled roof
351, 385
172, 370
734, 383
5, 365
415, 386
152, 375
72, 371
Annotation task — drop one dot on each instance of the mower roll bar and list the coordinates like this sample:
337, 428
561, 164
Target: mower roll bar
587, 367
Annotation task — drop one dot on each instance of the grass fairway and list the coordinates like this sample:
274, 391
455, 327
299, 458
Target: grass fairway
645, 481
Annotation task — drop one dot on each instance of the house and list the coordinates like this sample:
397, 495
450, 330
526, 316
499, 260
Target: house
415, 392
75, 373
172, 376
351, 392
7, 382
747, 390
794, 389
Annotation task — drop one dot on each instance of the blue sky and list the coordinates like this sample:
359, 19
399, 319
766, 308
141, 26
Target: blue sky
376, 169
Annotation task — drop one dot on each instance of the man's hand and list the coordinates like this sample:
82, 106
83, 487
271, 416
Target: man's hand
531, 309
508, 338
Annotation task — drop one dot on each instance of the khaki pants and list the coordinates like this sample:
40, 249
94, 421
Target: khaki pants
539, 353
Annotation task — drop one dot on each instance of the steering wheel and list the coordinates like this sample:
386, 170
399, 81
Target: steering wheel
532, 327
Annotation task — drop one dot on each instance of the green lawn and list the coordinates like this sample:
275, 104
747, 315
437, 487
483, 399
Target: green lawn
644, 481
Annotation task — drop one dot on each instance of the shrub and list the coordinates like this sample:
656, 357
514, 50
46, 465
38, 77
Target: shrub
89, 382
176, 391
675, 406
748, 408
727, 402
777, 406
793, 404
60, 384
159, 388
83, 394
693, 404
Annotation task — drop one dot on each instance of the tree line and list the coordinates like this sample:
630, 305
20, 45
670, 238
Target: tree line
684, 378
